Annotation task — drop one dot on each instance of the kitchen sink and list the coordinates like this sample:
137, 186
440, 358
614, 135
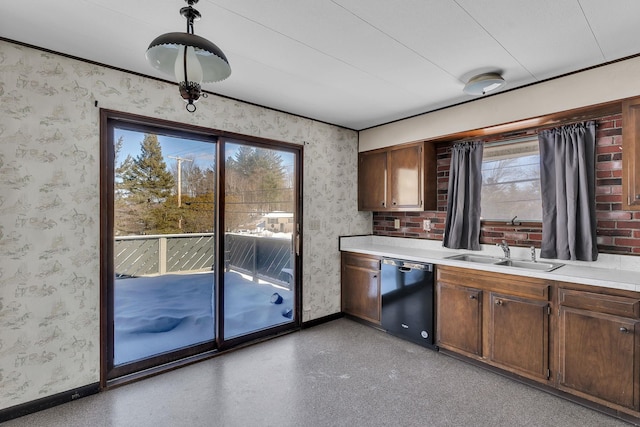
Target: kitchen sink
531, 265
482, 259
515, 263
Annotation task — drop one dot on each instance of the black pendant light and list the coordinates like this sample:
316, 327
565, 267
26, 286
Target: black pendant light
191, 59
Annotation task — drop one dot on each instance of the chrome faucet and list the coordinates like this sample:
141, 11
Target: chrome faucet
505, 247
533, 254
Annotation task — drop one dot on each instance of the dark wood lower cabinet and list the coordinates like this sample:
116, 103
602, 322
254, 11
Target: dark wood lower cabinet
499, 319
519, 335
599, 353
459, 318
581, 340
361, 286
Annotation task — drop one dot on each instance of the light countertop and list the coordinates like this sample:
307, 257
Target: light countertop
610, 271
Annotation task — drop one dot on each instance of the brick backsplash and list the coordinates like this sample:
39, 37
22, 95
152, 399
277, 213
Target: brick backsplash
618, 231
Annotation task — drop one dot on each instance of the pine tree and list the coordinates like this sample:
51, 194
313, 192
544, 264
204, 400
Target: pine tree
143, 185
197, 211
255, 182
147, 178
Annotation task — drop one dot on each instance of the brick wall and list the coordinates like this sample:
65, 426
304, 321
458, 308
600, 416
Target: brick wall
618, 231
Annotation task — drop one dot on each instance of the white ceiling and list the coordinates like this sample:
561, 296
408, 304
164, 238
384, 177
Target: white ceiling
354, 63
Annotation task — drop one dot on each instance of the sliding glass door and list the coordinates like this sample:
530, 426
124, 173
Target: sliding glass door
260, 218
198, 254
163, 244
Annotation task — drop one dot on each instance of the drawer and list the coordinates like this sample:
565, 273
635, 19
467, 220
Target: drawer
507, 284
360, 261
538, 289
610, 304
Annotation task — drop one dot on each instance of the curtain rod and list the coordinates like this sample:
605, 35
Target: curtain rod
517, 134
530, 137
505, 140
559, 123
534, 132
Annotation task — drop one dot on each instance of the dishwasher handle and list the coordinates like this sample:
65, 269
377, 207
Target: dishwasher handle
406, 266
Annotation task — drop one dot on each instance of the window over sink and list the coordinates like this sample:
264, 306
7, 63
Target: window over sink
511, 181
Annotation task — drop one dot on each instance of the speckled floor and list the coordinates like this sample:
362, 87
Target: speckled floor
337, 374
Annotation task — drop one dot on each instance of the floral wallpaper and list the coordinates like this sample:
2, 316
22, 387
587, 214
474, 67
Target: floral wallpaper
50, 201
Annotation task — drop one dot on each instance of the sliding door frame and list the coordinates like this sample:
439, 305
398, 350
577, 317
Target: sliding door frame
114, 375
297, 150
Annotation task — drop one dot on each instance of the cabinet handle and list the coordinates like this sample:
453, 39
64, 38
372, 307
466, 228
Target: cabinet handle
624, 330
472, 297
382, 203
499, 302
375, 276
394, 203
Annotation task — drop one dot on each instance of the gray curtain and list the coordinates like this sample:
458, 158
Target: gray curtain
567, 179
462, 228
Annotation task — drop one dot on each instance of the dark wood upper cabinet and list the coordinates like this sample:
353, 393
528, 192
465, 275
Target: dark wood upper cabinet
372, 181
631, 154
406, 177
398, 178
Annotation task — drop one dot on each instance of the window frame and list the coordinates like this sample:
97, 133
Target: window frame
529, 139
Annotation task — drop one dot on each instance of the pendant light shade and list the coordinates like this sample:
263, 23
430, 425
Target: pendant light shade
190, 59
164, 51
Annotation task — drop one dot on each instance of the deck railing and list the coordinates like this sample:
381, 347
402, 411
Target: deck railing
263, 258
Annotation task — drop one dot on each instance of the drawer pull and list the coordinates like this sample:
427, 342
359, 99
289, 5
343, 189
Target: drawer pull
624, 330
472, 297
499, 302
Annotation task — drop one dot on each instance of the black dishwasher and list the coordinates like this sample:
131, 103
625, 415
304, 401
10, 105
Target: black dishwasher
407, 300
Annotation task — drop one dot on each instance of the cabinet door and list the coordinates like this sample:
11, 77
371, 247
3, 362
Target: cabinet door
372, 181
599, 356
459, 319
405, 177
361, 288
519, 335
631, 154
